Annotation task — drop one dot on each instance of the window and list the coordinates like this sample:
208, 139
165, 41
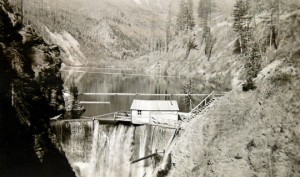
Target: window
139, 112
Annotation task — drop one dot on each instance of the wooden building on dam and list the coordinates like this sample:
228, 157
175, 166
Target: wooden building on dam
154, 112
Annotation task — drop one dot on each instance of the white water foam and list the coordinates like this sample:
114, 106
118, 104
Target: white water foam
105, 150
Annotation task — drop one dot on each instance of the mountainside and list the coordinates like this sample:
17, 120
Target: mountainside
105, 30
254, 133
132, 34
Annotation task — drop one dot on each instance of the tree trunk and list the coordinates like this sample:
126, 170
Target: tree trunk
271, 34
241, 45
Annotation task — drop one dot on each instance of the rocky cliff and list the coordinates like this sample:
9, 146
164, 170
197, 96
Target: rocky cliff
31, 93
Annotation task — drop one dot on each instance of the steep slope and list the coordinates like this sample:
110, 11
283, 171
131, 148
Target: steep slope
253, 133
105, 30
30, 93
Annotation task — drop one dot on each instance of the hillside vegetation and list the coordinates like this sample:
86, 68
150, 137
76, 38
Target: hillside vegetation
105, 30
254, 133
137, 34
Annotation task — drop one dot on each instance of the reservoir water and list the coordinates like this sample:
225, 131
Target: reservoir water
88, 82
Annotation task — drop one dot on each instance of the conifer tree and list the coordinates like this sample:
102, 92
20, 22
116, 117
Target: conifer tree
168, 28
248, 47
189, 89
273, 20
185, 20
204, 12
252, 66
241, 22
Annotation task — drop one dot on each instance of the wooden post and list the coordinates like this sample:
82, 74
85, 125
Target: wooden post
143, 158
93, 123
22, 11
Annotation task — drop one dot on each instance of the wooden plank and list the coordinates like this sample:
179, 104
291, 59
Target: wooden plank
203, 101
119, 73
94, 102
109, 68
140, 94
113, 113
146, 157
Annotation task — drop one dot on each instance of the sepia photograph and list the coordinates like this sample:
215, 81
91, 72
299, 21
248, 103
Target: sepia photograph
149, 88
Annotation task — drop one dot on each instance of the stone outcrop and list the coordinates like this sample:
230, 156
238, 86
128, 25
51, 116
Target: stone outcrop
73, 109
31, 93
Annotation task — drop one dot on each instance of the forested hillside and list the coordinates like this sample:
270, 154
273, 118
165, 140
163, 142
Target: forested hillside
209, 40
253, 133
105, 30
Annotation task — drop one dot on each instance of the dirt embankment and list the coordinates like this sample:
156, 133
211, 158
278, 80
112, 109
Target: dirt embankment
253, 133
31, 93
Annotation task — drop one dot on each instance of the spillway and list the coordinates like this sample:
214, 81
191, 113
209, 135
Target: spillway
95, 149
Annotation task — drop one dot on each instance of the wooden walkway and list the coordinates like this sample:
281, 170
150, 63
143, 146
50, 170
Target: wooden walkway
125, 116
149, 94
113, 117
210, 98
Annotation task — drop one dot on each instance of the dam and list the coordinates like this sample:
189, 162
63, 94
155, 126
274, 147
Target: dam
94, 148
100, 144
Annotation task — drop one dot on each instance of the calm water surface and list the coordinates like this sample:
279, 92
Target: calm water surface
120, 83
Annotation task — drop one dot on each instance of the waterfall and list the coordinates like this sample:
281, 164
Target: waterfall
106, 150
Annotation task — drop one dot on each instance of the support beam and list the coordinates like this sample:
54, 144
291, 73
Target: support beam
94, 102
142, 94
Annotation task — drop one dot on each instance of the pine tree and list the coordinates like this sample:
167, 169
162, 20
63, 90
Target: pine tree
252, 66
168, 28
204, 12
273, 21
248, 47
190, 17
241, 23
189, 89
185, 20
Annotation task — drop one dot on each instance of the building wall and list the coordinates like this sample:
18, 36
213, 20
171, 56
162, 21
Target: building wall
144, 118
155, 117
163, 117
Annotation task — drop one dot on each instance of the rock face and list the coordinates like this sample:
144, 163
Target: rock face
31, 93
73, 109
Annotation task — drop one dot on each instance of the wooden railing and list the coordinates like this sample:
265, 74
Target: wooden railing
204, 101
207, 100
123, 116
142, 94
104, 115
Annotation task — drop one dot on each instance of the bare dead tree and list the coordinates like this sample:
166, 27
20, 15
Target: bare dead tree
190, 46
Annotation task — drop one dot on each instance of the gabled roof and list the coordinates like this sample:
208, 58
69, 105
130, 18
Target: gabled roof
155, 105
